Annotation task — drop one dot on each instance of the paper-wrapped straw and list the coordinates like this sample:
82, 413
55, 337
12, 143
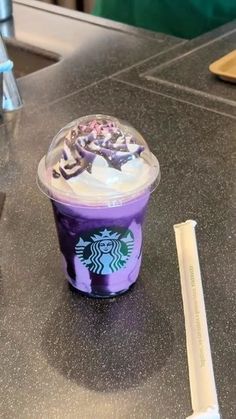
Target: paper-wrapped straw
201, 375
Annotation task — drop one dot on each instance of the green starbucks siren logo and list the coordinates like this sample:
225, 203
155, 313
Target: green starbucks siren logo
105, 251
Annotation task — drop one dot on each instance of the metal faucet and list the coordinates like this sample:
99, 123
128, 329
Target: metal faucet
5, 9
10, 98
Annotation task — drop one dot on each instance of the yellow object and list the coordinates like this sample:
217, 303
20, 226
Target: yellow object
225, 67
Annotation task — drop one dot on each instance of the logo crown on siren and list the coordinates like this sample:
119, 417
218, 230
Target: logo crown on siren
105, 235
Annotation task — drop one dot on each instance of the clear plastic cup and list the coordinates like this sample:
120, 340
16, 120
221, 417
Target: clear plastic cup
99, 174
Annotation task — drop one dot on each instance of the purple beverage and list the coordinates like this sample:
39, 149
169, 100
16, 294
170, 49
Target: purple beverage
99, 174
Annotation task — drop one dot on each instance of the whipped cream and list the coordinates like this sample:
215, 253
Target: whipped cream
99, 158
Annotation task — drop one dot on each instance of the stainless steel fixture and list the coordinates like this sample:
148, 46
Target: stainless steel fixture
5, 9
11, 99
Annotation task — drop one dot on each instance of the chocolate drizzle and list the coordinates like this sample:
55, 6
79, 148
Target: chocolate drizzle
55, 174
96, 138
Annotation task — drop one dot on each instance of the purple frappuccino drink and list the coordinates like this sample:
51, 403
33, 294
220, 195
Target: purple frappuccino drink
99, 173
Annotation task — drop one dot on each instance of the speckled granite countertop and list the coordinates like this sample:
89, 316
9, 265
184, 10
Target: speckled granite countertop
64, 356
